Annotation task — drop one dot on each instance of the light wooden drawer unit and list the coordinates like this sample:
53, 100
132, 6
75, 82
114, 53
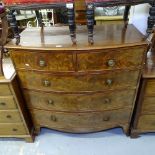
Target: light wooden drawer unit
80, 88
14, 118
144, 119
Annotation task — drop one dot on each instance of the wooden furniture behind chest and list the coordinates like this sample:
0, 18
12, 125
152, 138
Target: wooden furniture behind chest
14, 118
80, 88
144, 120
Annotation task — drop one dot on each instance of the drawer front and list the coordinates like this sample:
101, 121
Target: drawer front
9, 116
48, 61
4, 89
80, 102
12, 129
80, 122
48, 82
125, 58
150, 87
7, 102
146, 122
148, 105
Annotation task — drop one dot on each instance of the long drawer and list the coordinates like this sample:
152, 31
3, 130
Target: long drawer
146, 122
10, 116
73, 83
7, 102
48, 61
12, 129
79, 102
80, 122
113, 59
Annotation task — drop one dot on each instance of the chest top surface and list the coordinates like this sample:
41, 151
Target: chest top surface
58, 38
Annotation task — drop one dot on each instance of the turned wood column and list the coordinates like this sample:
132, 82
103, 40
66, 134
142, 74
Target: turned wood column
126, 15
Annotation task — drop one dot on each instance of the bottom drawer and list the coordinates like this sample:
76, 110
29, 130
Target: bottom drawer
146, 122
12, 129
81, 122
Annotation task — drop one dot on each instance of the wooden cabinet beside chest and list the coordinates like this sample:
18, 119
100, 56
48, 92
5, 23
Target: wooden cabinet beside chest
80, 88
144, 118
14, 118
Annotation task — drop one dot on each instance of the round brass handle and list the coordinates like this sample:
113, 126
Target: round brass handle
8, 116
53, 118
111, 63
14, 129
2, 103
106, 118
42, 63
107, 100
109, 82
46, 83
51, 102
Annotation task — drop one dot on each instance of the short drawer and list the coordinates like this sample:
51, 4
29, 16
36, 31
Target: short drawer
150, 87
48, 61
12, 129
10, 116
80, 122
146, 122
80, 102
4, 89
7, 102
69, 83
113, 59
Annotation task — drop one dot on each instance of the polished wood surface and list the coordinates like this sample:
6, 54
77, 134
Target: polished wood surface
80, 88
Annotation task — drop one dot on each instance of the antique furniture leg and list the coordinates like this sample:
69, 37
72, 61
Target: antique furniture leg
126, 14
71, 22
90, 22
14, 26
151, 18
39, 18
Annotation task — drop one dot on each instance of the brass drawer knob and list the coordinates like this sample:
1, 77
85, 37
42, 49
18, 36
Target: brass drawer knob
109, 82
107, 100
8, 116
42, 63
53, 118
46, 83
106, 118
51, 102
111, 63
14, 129
2, 103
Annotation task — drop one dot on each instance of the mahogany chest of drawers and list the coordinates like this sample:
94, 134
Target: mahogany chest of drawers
14, 118
144, 118
80, 88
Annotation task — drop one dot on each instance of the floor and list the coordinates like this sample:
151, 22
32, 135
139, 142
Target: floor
110, 142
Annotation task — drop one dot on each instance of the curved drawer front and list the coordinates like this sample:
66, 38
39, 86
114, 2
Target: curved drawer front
10, 116
7, 102
101, 60
48, 61
48, 82
79, 102
80, 122
12, 129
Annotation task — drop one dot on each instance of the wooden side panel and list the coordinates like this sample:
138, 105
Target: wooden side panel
95, 82
79, 102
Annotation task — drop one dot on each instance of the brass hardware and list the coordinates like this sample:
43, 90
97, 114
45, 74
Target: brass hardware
42, 63
14, 129
46, 83
51, 102
53, 118
109, 82
2, 103
8, 116
107, 100
111, 63
106, 118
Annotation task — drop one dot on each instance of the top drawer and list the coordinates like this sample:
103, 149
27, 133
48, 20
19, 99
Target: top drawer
114, 59
4, 89
48, 61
